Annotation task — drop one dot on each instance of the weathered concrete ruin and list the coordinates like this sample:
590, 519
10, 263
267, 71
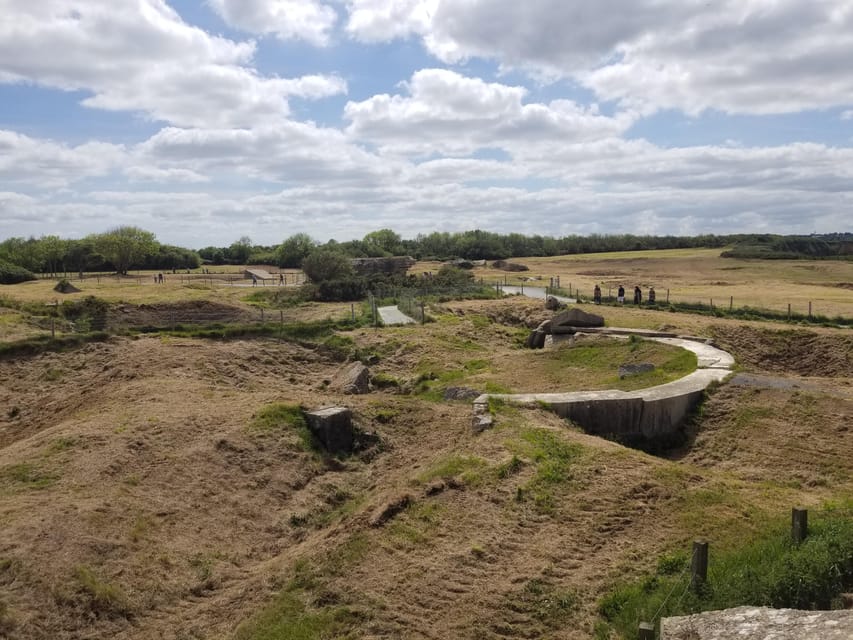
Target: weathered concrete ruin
396, 265
646, 417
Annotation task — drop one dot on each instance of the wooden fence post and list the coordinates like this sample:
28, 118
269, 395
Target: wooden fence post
810, 309
646, 631
789, 311
699, 564
799, 524
731, 302
667, 296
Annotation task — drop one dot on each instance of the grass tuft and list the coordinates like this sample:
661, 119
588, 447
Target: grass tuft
104, 597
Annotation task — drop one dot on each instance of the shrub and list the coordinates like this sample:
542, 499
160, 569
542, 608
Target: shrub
320, 266
13, 274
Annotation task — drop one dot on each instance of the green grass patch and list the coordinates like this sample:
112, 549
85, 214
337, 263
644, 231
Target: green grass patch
103, 596
601, 359
771, 570
290, 617
382, 380
469, 468
338, 346
416, 525
61, 444
295, 614
552, 458
26, 475
544, 602
42, 344
284, 418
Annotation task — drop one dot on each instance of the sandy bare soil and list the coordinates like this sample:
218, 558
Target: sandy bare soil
137, 500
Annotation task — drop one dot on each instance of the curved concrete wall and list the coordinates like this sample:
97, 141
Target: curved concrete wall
648, 415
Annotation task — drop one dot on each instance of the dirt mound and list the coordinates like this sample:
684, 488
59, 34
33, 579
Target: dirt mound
519, 313
504, 265
63, 286
794, 351
190, 312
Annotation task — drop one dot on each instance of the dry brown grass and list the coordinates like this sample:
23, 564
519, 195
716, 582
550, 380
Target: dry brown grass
698, 275
137, 501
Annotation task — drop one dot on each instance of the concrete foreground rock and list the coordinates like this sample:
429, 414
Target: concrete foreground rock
354, 378
332, 426
760, 623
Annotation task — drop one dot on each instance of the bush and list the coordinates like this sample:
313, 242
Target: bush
320, 266
13, 274
342, 290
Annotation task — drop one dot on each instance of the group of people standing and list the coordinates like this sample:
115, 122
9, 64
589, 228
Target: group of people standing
620, 295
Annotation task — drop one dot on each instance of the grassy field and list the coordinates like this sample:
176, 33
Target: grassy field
163, 486
697, 275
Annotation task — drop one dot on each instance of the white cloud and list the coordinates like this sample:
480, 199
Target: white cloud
737, 56
286, 19
155, 174
446, 112
141, 57
290, 152
49, 164
383, 20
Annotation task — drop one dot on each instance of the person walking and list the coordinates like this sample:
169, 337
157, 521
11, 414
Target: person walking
620, 296
596, 295
638, 295
651, 295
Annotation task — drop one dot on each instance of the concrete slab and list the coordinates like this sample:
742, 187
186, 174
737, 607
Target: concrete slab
707, 355
392, 315
760, 623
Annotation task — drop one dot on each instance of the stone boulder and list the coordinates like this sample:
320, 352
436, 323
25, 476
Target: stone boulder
333, 428
536, 339
460, 393
504, 265
627, 370
353, 378
576, 318
552, 304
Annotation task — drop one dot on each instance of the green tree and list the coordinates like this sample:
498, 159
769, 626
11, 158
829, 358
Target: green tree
323, 265
294, 250
383, 243
125, 246
54, 251
240, 251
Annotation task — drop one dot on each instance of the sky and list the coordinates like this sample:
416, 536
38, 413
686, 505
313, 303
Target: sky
207, 121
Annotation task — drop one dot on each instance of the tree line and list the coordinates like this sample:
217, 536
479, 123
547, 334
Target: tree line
117, 250
125, 248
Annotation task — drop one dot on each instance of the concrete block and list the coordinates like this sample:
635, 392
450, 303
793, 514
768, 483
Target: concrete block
333, 427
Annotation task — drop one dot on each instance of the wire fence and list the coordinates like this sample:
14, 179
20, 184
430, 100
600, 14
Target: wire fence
666, 299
